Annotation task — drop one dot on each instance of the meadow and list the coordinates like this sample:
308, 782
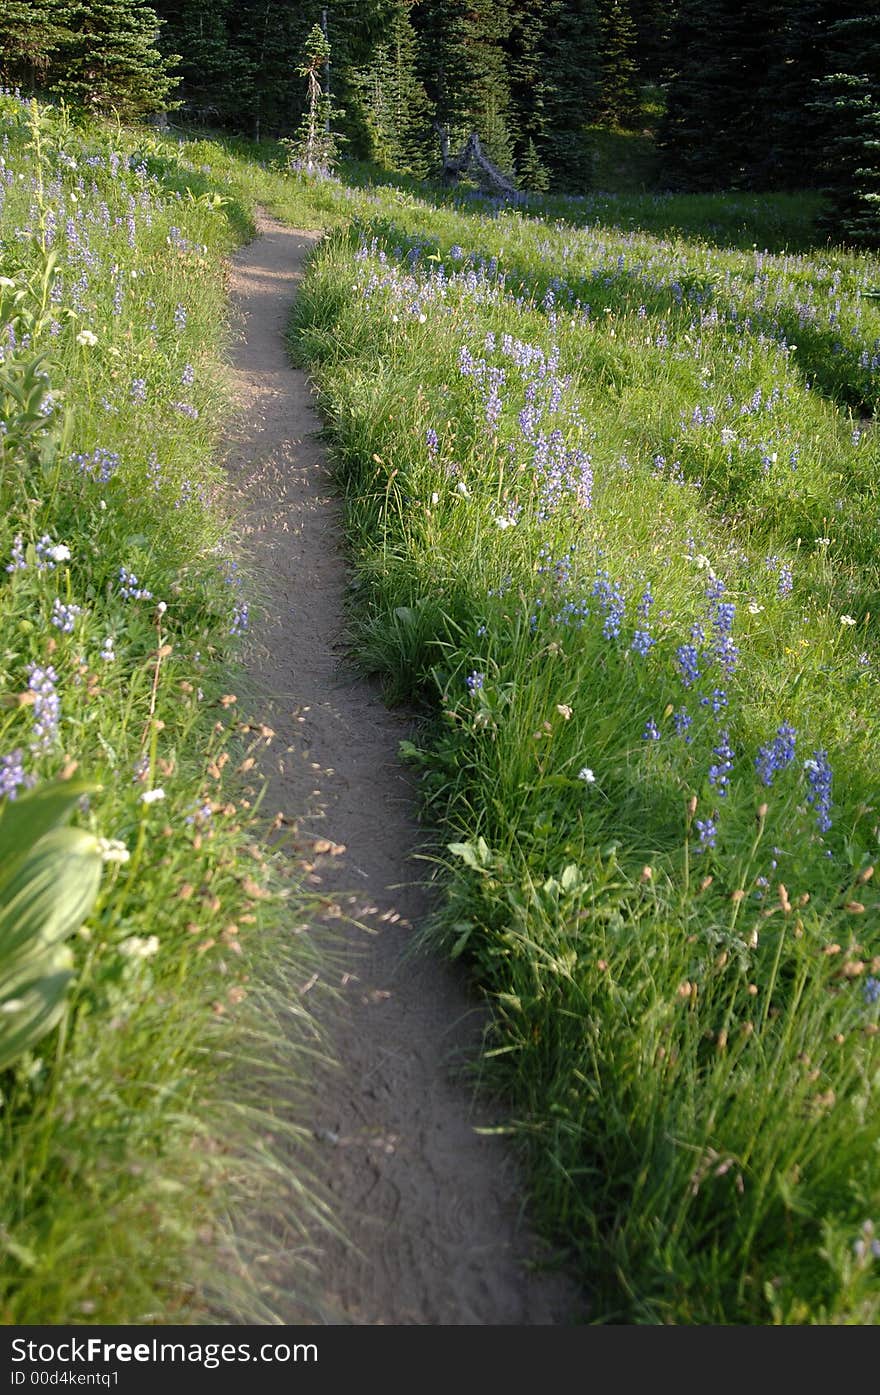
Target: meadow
610, 469
610, 475
134, 1132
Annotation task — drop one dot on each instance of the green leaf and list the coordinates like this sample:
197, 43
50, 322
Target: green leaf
51, 891
27, 819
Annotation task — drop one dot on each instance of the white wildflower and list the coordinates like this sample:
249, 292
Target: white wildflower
504, 522
59, 553
463, 489
112, 850
152, 796
587, 775
6, 283
87, 339
139, 946
754, 608
847, 620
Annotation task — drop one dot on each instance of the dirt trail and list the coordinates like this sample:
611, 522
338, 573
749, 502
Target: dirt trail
432, 1208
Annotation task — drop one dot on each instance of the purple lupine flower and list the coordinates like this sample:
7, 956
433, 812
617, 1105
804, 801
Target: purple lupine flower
130, 588
18, 564
717, 701
687, 659
707, 829
475, 681
719, 771
643, 640
13, 776
64, 616
775, 757
682, 720
652, 731
240, 618
46, 707
818, 773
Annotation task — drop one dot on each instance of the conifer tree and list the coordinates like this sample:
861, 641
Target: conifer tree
848, 106
464, 68
31, 31
619, 80
109, 61
215, 79
395, 106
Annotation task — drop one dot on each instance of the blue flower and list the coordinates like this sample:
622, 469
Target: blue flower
719, 771
818, 773
475, 681
775, 757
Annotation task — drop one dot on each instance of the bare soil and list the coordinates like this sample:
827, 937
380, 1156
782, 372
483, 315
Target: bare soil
432, 1209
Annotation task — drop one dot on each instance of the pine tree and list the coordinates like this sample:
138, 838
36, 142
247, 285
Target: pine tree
847, 104
32, 31
619, 81
393, 101
570, 52
109, 61
714, 131
463, 65
215, 79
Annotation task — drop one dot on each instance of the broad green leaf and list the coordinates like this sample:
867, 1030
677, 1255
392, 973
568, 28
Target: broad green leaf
28, 818
51, 890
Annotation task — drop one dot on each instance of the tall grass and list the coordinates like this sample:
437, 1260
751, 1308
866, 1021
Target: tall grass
138, 1179
611, 503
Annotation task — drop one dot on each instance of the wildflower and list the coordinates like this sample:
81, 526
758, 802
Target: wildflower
87, 339
112, 850
154, 796
871, 990
240, 618
138, 390
687, 660
586, 774
180, 318
46, 707
475, 681
431, 440
775, 757
707, 829
18, 564
847, 620
753, 608
463, 489
12, 775
187, 377
59, 553
682, 720
719, 772
643, 640
652, 731
139, 947
818, 773
717, 702
785, 584
130, 588
64, 616
107, 651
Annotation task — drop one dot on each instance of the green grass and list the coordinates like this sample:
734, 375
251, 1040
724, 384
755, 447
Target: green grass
135, 1171
676, 953
681, 958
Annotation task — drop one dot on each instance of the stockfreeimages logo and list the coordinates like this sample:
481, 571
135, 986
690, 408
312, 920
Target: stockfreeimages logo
93, 1351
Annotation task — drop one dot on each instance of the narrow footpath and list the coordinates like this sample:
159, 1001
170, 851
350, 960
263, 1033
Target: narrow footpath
432, 1208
